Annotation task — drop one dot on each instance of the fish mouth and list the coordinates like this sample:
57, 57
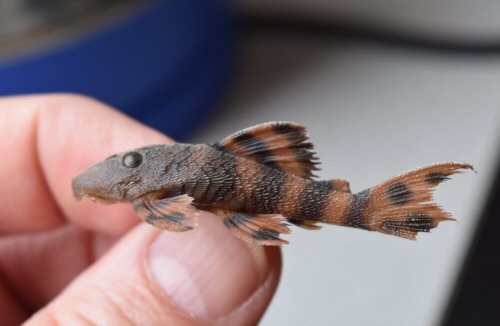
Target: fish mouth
102, 194
98, 199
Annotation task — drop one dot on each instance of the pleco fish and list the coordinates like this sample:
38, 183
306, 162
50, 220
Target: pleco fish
259, 181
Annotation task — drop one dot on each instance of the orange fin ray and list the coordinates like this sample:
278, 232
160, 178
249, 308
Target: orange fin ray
173, 214
305, 224
261, 229
282, 145
403, 206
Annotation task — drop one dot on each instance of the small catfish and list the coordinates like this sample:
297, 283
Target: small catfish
259, 181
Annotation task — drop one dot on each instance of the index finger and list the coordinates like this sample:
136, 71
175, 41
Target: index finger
46, 141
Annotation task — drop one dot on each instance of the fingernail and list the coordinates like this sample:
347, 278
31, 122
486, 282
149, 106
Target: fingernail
207, 272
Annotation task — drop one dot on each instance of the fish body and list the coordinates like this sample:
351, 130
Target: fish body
259, 180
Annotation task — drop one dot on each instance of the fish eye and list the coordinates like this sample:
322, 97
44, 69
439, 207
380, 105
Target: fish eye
132, 159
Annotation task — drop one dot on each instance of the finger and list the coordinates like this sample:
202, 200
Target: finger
38, 266
151, 277
11, 312
46, 141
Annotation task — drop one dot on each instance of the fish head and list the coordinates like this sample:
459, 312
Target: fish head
125, 176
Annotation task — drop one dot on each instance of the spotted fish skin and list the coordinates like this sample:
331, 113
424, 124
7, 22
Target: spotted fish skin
259, 180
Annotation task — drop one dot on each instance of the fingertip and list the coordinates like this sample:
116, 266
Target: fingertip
212, 275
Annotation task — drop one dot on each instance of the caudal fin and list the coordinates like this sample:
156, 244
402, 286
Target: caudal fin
403, 205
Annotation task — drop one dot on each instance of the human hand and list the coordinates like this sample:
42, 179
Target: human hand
63, 262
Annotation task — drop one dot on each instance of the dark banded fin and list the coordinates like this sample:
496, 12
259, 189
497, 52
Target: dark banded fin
341, 185
404, 206
172, 214
282, 145
306, 224
261, 229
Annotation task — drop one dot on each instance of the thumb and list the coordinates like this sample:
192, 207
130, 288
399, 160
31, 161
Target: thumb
161, 278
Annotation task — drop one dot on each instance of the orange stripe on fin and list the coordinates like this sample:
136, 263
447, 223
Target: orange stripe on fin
175, 214
261, 229
282, 145
306, 224
403, 205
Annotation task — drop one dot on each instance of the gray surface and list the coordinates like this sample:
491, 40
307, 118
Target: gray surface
372, 112
457, 19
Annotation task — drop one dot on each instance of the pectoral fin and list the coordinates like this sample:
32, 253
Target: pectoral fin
172, 214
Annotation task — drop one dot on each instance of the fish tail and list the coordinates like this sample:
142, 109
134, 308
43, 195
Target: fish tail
403, 205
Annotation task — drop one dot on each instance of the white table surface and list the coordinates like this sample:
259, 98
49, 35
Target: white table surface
372, 112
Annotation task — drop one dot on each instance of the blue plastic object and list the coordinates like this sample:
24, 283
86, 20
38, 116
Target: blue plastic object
165, 65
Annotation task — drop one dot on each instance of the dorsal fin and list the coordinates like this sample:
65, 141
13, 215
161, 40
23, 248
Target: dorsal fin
282, 145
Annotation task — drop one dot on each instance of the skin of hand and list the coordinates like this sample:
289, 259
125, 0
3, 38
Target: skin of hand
71, 263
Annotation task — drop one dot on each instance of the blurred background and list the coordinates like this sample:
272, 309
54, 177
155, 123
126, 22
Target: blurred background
383, 87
